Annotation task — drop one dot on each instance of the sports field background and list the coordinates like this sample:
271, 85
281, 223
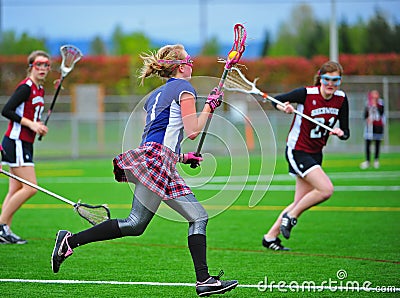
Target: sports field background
86, 133
352, 238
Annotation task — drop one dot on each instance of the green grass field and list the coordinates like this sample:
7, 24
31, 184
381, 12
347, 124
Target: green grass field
356, 233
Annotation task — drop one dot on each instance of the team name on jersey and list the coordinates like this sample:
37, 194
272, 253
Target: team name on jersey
324, 110
37, 99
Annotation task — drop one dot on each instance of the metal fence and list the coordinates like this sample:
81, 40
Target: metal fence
120, 127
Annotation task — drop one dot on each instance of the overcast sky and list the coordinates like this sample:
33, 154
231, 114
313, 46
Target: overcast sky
177, 21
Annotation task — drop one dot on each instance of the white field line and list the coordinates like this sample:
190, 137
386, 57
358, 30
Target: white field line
263, 187
261, 288
386, 175
237, 183
389, 175
292, 188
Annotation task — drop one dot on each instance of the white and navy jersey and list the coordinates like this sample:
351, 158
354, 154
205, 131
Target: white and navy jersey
164, 119
27, 101
307, 136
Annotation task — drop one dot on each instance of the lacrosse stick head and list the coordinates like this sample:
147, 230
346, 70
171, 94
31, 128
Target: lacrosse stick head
70, 55
236, 81
93, 214
238, 46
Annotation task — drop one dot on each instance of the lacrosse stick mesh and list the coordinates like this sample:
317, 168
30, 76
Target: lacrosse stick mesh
236, 82
93, 214
240, 38
70, 55
238, 45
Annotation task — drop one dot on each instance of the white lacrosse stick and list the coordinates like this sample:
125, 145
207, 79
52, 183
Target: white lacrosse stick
236, 81
93, 214
70, 55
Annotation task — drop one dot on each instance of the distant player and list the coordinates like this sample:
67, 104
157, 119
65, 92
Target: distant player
23, 109
374, 115
327, 104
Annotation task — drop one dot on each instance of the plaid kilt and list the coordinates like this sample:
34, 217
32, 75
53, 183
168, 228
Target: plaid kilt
153, 165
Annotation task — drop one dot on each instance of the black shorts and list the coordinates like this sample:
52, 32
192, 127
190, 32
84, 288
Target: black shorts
16, 153
301, 163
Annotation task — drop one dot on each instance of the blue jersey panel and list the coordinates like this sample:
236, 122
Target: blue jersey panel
164, 119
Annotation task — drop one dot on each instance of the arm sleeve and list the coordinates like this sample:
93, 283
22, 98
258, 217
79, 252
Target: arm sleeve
344, 119
297, 95
20, 95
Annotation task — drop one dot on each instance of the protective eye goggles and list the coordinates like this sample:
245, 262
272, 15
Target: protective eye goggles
187, 61
336, 80
41, 64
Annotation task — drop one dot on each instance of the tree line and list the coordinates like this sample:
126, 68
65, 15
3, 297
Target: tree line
302, 35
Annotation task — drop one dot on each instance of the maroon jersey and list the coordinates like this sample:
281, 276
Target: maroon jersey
29, 104
307, 136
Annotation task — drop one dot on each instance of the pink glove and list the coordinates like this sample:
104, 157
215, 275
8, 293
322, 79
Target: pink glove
214, 99
190, 158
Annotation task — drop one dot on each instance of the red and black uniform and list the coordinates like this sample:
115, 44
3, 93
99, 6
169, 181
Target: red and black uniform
27, 101
374, 128
376, 121
306, 138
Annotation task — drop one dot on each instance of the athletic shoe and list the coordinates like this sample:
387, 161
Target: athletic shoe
19, 239
287, 224
274, 245
61, 250
8, 237
376, 164
213, 285
364, 165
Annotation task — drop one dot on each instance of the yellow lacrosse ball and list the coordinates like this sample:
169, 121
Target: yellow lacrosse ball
232, 54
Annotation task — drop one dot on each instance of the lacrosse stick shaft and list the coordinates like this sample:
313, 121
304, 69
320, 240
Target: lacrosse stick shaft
52, 103
240, 83
37, 187
203, 135
54, 100
297, 112
223, 78
237, 51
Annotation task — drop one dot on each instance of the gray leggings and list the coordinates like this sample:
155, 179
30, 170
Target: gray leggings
145, 204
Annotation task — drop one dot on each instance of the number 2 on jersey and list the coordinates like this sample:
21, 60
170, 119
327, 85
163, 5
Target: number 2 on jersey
318, 131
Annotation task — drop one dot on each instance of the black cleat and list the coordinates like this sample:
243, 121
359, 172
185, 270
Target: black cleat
274, 245
287, 224
61, 250
8, 237
213, 285
18, 239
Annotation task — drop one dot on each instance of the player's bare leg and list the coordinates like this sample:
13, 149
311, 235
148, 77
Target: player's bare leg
18, 193
319, 187
322, 189
270, 239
